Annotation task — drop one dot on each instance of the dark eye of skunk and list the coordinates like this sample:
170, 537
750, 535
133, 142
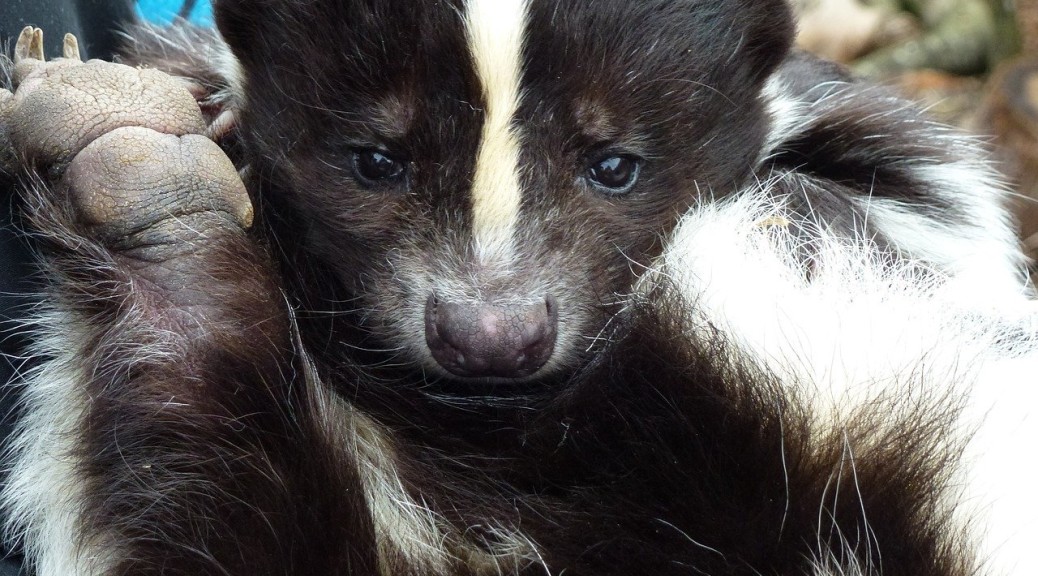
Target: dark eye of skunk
374, 167
614, 174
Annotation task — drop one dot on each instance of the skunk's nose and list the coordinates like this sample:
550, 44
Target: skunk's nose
480, 340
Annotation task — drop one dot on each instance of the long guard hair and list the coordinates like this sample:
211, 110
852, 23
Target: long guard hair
805, 347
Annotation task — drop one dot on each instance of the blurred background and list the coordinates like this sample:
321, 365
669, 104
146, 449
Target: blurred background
164, 11
973, 63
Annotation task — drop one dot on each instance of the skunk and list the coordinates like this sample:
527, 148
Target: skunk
538, 287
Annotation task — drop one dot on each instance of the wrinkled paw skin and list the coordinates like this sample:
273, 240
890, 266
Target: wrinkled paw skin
125, 147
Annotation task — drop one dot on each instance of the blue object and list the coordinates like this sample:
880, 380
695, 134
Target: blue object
164, 11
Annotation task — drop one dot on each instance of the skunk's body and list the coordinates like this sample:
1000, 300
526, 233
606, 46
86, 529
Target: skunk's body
764, 353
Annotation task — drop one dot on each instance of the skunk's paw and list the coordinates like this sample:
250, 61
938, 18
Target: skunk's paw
124, 147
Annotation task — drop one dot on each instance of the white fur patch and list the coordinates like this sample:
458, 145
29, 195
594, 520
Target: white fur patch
999, 467
854, 319
854, 330
44, 497
403, 525
787, 114
982, 255
230, 68
495, 34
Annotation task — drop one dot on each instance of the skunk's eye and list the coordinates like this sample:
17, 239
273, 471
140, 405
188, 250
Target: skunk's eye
374, 167
614, 174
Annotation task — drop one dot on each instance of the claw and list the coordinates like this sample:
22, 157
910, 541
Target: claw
30, 45
222, 125
36, 48
21, 48
70, 47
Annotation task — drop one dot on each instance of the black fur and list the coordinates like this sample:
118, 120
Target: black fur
653, 449
307, 107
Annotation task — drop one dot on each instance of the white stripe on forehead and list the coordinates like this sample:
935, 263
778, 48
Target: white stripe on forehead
495, 34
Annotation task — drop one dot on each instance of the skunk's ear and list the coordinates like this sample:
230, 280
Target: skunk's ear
239, 21
253, 28
770, 28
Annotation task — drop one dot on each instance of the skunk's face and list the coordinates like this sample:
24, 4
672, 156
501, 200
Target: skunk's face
487, 179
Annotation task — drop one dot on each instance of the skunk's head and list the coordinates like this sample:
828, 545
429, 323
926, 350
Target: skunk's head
484, 180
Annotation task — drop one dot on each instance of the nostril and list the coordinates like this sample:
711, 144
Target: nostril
477, 339
544, 323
